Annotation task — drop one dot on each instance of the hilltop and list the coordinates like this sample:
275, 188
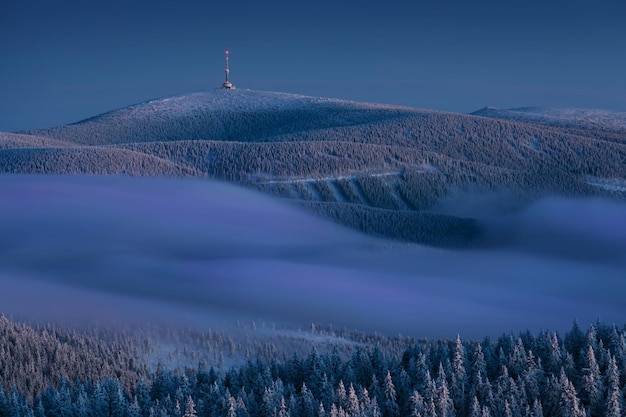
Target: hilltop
386, 170
237, 115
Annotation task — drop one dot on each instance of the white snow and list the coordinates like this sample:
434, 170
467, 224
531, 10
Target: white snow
334, 188
333, 178
583, 118
610, 184
239, 100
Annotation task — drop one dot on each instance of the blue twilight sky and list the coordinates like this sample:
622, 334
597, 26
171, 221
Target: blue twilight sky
65, 60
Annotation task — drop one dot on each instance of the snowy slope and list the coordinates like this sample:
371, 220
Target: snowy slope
555, 116
221, 115
12, 140
91, 160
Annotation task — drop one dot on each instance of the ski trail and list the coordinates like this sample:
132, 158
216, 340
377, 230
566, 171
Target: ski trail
337, 193
359, 191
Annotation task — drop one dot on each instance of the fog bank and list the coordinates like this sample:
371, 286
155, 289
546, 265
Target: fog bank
200, 252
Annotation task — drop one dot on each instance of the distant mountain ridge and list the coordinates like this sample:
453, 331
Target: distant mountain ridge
357, 163
607, 119
596, 122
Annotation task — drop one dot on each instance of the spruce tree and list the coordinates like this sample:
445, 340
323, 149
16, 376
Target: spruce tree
390, 404
444, 403
475, 408
459, 376
569, 404
591, 384
417, 404
190, 408
614, 394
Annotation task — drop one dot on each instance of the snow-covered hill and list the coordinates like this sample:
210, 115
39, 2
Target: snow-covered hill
13, 141
558, 116
88, 160
236, 115
382, 169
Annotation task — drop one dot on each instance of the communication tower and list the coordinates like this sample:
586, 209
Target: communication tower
227, 84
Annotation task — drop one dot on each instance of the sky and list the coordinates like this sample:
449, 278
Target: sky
67, 60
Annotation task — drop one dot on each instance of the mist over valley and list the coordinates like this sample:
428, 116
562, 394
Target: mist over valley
184, 242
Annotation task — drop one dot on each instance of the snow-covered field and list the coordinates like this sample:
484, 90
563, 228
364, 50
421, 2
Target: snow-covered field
201, 252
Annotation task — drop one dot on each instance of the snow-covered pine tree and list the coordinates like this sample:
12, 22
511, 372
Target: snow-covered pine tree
417, 404
569, 404
459, 382
444, 403
190, 408
390, 404
591, 383
614, 393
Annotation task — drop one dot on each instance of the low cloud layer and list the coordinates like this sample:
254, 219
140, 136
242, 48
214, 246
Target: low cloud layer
201, 252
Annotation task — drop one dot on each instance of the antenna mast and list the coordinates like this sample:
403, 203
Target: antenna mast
227, 84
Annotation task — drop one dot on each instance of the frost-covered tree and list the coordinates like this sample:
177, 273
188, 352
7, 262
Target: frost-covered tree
390, 404
614, 393
190, 408
283, 411
591, 384
459, 381
353, 406
417, 404
569, 404
536, 410
445, 404
475, 409
308, 403
341, 395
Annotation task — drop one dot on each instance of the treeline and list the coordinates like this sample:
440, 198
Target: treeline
12, 140
35, 357
88, 160
258, 161
600, 125
580, 374
346, 150
421, 227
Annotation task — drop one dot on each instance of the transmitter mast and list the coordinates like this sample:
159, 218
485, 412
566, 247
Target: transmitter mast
227, 84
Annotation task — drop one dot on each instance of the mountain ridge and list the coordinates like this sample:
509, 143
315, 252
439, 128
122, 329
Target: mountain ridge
354, 162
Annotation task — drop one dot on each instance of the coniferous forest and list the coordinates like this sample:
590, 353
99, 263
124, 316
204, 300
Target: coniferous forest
581, 373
